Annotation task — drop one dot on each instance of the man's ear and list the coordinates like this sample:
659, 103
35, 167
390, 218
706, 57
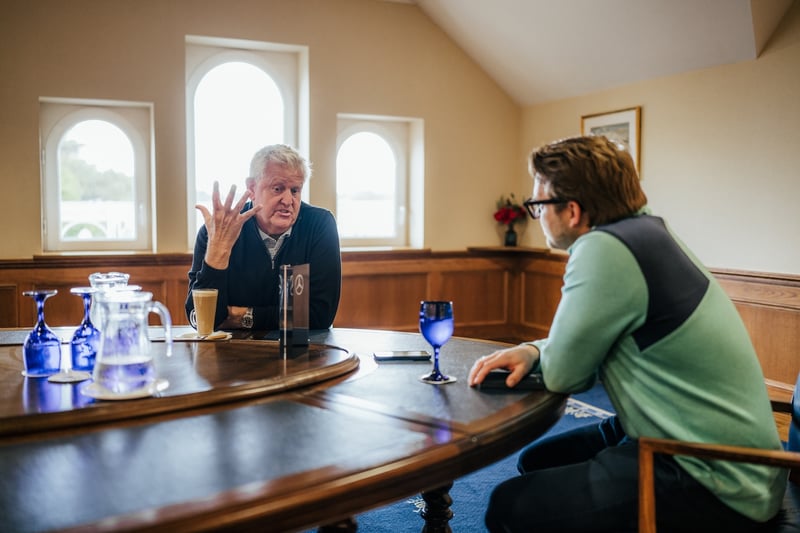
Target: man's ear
250, 183
577, 216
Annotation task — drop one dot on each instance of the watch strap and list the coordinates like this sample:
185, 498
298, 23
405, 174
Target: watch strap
247, 318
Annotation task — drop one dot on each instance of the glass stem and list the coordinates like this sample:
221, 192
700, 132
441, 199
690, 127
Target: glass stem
436, 360
87, 306
40, 311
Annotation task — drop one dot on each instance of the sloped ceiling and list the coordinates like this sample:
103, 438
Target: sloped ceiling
544, 50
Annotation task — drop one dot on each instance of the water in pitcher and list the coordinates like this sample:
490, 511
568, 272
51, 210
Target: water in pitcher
126, 374
124, 362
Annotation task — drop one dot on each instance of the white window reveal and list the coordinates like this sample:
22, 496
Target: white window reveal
378, 177
96, 176
240, 96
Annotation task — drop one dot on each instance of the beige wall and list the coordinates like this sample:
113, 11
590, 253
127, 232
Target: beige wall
720, 152
365, 57
720, 147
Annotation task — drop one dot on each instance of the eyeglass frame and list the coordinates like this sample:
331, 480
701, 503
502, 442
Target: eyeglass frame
534, 207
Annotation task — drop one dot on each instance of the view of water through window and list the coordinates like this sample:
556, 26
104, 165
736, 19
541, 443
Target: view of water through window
96, 173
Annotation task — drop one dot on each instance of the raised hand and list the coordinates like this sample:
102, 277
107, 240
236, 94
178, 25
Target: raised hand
224, 224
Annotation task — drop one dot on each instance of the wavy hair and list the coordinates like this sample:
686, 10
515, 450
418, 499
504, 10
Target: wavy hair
595, 172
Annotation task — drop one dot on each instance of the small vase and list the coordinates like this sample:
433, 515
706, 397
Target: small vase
511, 237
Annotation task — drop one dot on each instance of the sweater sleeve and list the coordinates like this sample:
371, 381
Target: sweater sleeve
326, 273
604, 298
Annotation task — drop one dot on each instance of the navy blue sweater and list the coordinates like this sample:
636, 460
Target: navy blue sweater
251, 279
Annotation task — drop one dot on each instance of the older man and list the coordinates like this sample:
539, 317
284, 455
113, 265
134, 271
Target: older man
241, 246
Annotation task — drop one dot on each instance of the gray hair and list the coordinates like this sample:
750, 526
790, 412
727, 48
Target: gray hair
281, 154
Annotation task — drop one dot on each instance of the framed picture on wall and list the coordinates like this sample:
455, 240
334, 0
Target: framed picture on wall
623, 126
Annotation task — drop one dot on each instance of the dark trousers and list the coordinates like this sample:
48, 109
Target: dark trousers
587, 480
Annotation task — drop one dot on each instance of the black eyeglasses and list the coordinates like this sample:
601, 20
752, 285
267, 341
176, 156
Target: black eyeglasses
535, 207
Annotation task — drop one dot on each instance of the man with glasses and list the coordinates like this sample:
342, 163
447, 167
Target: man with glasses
639, 312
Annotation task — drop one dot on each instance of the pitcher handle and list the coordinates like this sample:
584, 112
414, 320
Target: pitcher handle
162, 311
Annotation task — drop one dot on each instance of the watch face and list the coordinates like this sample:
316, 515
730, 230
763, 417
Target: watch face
247, 320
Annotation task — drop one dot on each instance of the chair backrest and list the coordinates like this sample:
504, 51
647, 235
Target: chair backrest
794, 427
793, 441
788, 459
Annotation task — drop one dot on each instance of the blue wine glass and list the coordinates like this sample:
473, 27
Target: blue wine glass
86, 339
42, 347
436, 325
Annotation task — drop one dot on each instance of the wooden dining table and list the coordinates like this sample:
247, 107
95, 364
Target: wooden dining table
249, 436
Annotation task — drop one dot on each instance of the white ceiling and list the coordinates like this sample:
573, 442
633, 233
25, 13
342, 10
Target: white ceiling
544, 50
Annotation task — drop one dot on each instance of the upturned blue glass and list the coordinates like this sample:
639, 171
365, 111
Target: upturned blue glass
42, 347
86, 339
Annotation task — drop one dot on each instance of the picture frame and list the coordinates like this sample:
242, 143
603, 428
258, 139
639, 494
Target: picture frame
623, 126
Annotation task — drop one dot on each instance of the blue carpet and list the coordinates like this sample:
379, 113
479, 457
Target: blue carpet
471, 493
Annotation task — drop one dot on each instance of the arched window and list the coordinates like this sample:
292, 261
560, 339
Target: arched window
96, 177
237, 110
375, 180
366, 188
241, 96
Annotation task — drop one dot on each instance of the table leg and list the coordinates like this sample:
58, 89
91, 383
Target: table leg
437, 511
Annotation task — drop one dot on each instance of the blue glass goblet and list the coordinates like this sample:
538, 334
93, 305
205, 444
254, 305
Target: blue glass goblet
436, 325
42, 347
86, 339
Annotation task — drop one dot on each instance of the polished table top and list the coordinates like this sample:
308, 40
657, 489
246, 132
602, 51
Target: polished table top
245, 438
198, 373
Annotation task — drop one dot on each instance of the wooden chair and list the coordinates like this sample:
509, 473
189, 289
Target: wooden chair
788, 518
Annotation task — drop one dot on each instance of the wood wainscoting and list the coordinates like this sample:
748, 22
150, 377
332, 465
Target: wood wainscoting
769, 305
506, 294
165, 275
498, 293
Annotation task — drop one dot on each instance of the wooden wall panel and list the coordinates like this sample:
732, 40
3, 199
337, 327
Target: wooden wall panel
506, 294
63, 309
9, 307
480, 298
769, 305
164, 275
775, 334
381, 301
541, 290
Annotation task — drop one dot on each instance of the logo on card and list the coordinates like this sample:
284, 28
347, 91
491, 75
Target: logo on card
298, 284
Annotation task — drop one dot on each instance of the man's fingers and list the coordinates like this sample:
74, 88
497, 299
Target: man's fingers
205, 212
244, 217
230, 197
224, 221
479, 370
515, 377
240, 204
215, 203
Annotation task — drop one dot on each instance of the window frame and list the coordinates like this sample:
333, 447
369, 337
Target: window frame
287, 65
135, 119
392, 133
401, 134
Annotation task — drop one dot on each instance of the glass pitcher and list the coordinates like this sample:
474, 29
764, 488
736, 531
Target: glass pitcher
124, 362
104, 282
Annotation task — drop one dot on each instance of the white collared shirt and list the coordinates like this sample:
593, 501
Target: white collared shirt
274, 245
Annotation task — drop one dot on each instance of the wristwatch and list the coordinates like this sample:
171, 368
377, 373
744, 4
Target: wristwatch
247, 318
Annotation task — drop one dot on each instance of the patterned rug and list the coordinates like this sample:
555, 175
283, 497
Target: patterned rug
471, 493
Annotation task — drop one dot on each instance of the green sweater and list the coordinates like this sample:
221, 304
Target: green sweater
639, 311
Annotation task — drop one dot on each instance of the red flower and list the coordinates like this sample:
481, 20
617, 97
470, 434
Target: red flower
509, 212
